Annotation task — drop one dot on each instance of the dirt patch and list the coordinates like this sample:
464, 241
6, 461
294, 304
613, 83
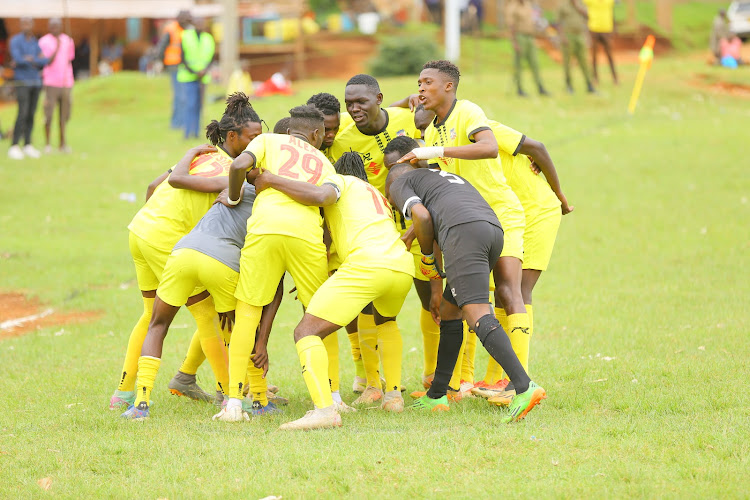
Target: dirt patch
709, 82
20, 315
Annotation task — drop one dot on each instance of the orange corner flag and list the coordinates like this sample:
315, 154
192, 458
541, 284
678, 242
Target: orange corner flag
646, 57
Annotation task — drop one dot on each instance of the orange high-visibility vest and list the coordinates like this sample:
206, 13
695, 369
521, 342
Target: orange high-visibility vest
173, 52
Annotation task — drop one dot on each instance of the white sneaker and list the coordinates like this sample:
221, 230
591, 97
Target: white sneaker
370, 396
47, 149
343, 407
319, 418
234, 414
31, 151
393, 401
15, 152
359, 385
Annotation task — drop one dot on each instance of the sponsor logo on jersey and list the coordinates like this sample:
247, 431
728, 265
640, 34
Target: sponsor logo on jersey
453, 134
401, 132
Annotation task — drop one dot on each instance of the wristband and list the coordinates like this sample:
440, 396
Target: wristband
428, 255
234, 202
428, 153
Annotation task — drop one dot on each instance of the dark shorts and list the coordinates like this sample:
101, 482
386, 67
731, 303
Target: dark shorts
470, 251
53, 96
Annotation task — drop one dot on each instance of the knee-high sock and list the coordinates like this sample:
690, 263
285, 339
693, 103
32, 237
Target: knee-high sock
391, 352
314, 361
148, 367
331, 342
430, 341
467, 363
368, 345
530, 314
499, 347
494, 370
519, 331
455, 383
258, 385
135, 343
212, 340
194, 357
359, 367
246, 321
451, 338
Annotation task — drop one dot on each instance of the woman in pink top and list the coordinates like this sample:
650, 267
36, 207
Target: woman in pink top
57, 78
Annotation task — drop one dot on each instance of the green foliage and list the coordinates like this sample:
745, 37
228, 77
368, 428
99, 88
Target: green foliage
403, 55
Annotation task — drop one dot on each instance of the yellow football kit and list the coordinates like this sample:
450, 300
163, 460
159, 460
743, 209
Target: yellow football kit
601, 15
540, 204
463, 121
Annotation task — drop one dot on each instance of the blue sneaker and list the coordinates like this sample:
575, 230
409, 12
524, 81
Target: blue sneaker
139, 412
269, 409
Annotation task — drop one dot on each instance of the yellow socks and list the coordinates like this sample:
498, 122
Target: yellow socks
391, 352
530, 313
368, 345
455, 382
331, 342
467, 362
314, 361
148, 367
212, 340
246, 321
519, 331
356, 354
194, 357
430, 341
258, 385
135, 343
494, 370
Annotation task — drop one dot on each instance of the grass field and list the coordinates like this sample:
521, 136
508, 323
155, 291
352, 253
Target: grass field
651, 270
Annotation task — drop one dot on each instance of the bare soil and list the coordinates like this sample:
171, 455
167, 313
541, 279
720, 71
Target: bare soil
20, 314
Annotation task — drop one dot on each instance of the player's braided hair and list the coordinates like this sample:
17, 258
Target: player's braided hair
445, 67
305, 118
238, 112
282, 126
326, 103
363, 79
402, 145
351, 163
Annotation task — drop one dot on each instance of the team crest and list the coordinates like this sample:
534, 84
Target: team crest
401, 132
453, 134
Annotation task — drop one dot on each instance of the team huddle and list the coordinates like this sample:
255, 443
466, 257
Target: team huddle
357, 207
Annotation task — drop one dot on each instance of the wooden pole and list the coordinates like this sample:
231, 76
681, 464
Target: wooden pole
94, 48
229, 51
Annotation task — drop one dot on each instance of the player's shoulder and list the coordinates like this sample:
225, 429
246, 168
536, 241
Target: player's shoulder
466, 106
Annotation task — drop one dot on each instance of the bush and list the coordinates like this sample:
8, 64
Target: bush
404, 55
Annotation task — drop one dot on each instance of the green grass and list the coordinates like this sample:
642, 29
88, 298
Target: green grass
651, 269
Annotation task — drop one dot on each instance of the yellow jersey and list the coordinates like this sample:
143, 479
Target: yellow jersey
362, 229
464, 120
273, 211
171, 213
601, 15
533, 191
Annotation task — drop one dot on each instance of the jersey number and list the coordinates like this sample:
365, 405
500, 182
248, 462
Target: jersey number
452, 178
378, 200
310, 164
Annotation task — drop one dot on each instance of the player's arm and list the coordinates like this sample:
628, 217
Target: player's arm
301, 192
410, 101
260, 358
237, 174
484, 146
155, 183
422, 223
538, 152
181, 178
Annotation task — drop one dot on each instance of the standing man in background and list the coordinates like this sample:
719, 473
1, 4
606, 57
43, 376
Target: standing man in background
521, 22
198, 48
57, 78
571, 19
601, 26
170, 52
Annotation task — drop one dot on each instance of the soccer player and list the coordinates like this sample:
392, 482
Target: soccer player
376, 269
331, 109
372, 128
282, 126
282, 235
169, 214
446, 208
208, 257
460, 141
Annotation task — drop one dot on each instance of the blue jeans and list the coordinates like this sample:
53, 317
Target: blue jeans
192, 110
178, 101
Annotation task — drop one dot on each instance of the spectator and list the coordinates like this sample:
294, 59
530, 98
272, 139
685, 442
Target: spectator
601, 26
170, 52
28, 62
82, 63
731, 52
521, 21
571, 26
57, 78
197, 53
719, 31
240, 80
111, 57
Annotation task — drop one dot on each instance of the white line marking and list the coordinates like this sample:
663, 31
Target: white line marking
13, 323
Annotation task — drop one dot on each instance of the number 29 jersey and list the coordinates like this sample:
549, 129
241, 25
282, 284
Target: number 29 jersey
273, 211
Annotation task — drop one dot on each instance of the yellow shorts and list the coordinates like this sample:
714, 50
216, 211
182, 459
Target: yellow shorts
513, 221
149, 262
189, 272
539, 239
343, 296
266, 257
